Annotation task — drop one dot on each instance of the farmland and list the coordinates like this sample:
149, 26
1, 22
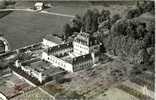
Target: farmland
22, 28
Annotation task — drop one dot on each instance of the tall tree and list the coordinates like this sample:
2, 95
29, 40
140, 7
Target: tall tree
115, 18
90, 24
104, 15
76, 23
66, 31
132, 13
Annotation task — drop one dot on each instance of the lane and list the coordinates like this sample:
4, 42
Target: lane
39, 11
57, 14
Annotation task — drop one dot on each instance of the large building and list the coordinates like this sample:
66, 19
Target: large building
39, 69
50, 40
82, 53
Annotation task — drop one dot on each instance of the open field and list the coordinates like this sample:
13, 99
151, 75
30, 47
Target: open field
34, 94
12, 86
116, 94
89, 84
23, 28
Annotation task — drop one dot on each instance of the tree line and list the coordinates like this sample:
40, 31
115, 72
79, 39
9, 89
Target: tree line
122, 36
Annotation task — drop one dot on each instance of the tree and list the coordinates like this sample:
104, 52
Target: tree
132, 13
143, 56
145, 6
115, 18
90, 24
141, 30
66, 31
105, 15
119, 27
76, 23
131, 29
105, 25
2, 4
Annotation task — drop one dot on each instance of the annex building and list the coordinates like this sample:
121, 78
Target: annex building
80, 54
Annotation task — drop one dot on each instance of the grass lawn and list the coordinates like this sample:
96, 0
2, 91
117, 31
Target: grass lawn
23, 28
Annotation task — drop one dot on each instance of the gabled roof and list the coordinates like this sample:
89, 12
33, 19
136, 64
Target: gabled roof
82, 58
53, 38
60, 47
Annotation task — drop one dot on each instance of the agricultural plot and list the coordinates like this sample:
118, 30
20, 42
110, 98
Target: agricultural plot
34, 94
12, 86
30, 27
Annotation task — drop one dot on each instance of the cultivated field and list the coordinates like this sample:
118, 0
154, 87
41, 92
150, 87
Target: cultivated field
23, 28
12, 85
34, 94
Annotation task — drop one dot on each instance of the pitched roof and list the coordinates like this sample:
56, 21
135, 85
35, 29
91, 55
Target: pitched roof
82, 58
60, 47
53, 38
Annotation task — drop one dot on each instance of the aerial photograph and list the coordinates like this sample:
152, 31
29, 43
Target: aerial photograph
77, 50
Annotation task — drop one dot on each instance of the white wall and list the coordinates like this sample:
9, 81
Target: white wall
57, 62
83, 65
3, 97
80, 49
48, 43
37, 75
83, 49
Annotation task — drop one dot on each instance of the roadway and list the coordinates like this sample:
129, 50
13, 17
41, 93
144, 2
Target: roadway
38, 11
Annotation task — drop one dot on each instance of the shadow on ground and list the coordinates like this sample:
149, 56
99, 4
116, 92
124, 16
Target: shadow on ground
3, 14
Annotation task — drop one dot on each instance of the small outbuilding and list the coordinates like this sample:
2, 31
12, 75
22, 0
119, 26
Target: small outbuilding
39, 5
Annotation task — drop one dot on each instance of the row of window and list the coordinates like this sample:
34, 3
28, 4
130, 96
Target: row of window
83, 65
56, 61
80, 46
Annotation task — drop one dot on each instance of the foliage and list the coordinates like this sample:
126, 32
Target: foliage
24, 56
132, 28
126, 37
119, 27
67, 31
127, 47
132, 13
104, 15
145, 6
115, 18
76, 23
90, 23
141, 7
2, 4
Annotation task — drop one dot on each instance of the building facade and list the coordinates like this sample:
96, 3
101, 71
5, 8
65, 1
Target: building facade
80, 54
50, 41
39, 5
